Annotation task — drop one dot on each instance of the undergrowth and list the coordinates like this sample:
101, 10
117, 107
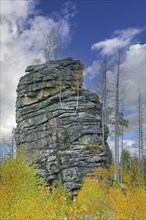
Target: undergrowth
25, 196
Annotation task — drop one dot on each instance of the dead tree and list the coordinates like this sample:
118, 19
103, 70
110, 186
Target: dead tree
104, 98
49, 45
140, 132
119, 69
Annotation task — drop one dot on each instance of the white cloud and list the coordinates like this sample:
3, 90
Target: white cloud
128, 144
119, 40
17, 9
134, 72
131, 146
135, 63
21, 39
92, 70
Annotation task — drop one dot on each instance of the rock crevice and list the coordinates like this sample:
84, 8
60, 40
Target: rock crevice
60, 122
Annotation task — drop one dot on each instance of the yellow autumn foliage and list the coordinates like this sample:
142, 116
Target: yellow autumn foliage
88, 200
127, 205
19, 190
25, 196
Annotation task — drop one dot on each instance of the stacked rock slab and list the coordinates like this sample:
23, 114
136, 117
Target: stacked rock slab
59, 123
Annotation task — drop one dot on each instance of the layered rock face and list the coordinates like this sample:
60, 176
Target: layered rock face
59, 123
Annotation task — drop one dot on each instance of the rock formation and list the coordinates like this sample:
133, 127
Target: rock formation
60, 122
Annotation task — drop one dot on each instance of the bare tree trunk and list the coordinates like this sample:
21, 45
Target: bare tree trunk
46, 57
140, 135
116, 174
60, 94
122, 138
3, 153
104, 92
78, 91
49, 45
139, 129
13, 145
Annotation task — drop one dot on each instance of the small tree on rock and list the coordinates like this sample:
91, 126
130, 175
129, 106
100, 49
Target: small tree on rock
50, 46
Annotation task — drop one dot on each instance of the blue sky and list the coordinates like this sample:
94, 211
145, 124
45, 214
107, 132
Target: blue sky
87, 30
96, 20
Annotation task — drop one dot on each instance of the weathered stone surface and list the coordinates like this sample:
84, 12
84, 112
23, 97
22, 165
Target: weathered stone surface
60, 122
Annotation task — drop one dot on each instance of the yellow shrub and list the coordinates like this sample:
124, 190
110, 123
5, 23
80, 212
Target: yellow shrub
20, 195
105, 175
27, 197
126, 206
57, 206
88, 201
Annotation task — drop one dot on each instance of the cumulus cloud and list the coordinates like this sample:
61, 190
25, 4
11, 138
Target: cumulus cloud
92, 70
128, 144
131, 146
119, 39
17, 10
135, 63
22, 31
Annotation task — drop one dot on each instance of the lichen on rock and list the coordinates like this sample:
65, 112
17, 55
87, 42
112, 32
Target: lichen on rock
60, 121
